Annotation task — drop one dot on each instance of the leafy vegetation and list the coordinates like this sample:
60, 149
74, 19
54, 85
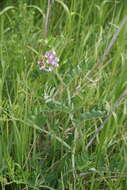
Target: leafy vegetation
65, 129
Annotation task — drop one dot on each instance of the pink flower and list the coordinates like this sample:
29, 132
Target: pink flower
49, 59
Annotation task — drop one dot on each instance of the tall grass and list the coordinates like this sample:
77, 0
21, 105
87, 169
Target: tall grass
47, 120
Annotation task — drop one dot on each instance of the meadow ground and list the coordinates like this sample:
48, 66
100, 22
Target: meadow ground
65, 129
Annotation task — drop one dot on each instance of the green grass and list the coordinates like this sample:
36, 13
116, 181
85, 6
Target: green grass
47, 120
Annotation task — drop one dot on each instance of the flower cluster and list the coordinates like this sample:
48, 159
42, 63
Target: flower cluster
49, 61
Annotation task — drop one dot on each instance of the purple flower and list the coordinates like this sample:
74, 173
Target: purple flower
49, 59
50, 54
52, 60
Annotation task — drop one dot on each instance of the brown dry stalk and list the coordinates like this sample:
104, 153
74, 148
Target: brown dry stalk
50, 2
100, 62
108, 49
116, 105
113, 39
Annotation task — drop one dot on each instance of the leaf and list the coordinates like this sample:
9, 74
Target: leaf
64, 7
57, 106
38, 8
6, 9
92, 115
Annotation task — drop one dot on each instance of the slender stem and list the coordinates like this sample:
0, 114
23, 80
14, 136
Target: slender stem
50, 2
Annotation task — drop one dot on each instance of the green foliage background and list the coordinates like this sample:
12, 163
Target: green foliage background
48, 119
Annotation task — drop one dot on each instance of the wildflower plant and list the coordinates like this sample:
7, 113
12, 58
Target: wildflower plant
48, 61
